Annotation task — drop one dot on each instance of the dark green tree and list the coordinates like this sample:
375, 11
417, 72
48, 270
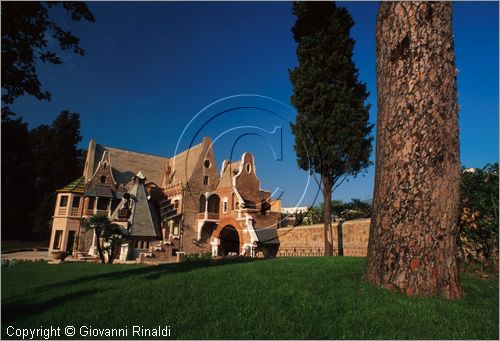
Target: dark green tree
26, 28
338, 206
478, 224
57, 162
18, 180
357, 209
332, 132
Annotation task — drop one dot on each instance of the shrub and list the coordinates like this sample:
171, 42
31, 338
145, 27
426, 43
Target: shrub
478, 222
197, 257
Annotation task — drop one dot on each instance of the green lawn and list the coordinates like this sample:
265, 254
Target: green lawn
266, 299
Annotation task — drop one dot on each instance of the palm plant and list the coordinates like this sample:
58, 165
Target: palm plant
109, 236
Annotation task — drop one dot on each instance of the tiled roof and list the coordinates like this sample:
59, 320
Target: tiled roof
126, 164
99, 191
183, 164
267, 235
76, 186
144, 220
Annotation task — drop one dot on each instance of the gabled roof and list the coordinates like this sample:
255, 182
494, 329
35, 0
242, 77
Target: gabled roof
183, 164
76, 186
228, 171
126, 164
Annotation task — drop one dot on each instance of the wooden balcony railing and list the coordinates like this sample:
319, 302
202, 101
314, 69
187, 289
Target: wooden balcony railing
74, 211
102, 212
62, 211
88, 212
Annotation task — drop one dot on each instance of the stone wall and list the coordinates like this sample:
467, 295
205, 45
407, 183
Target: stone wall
309, 241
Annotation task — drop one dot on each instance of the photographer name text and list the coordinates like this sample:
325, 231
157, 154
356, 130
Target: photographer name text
51, 332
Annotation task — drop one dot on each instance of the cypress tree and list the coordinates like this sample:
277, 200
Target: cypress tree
332, 138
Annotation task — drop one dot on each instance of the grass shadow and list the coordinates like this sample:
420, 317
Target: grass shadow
151, 272
16, 309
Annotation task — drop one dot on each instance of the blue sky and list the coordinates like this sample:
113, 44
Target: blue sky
151, 67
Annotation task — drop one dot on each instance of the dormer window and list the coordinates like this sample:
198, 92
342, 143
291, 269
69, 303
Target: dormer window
205, 180
248, 168
207, 164
103, 179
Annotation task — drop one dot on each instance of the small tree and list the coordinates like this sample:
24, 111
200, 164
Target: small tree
331, 130
337, 207
357, 209
316, 213
109, 236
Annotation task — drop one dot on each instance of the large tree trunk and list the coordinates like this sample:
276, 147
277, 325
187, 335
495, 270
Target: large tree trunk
412, 244
327, 215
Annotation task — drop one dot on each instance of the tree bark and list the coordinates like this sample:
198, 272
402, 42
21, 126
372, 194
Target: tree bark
412, 245
327, 215
99, 249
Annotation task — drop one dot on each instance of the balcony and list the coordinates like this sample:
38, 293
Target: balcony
208, 216
88, 212
102, 212
72, 211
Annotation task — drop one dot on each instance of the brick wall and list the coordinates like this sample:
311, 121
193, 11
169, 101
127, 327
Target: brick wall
309, 241
269, 219
191, 201
247, 183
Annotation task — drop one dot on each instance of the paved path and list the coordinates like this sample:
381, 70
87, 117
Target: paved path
27, 255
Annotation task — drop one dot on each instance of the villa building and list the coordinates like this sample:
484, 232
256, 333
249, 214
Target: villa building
168, 205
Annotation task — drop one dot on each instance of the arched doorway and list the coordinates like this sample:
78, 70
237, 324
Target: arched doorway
229, 240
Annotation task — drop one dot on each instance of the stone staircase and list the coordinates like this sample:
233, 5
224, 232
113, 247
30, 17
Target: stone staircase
86, 257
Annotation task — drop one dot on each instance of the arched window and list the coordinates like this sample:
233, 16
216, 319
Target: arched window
203, 201
213, 203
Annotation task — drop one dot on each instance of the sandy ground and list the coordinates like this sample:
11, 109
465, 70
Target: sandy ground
27, 255
44, 256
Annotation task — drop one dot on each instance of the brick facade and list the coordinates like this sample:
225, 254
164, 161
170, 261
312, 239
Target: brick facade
203, 210
309, 241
